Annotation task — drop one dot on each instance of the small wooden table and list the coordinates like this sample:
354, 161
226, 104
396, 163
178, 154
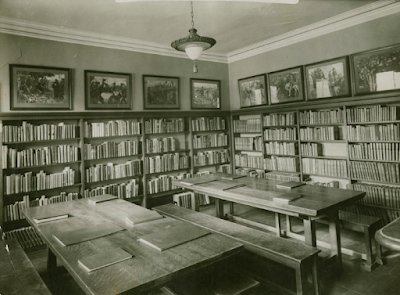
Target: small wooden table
389, 235
316, 202
148, 269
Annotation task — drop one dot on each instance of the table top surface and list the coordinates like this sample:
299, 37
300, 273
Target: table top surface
149, 268
389, 235
259, 193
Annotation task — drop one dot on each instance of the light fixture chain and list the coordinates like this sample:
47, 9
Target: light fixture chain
191, 5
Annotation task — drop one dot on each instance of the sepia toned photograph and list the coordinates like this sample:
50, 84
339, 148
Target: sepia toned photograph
252, 91
104, 90
40, 88
328, 79
205, 94
161, 92
286, 86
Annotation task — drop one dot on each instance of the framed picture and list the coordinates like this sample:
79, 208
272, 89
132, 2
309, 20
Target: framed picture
205, 94
108, 91
40, 88
252, 91
376, 70
328, 79
160, 92
286, 86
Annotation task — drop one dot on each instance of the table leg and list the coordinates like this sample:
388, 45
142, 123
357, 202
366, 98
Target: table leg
232, 208
334, 232
195, 202
309, 232
219, 208
288, 224
278, 224
51, 267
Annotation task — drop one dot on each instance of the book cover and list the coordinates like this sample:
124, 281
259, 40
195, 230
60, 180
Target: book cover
232, 177
104, 259
174, 236
47, 216
289, 185
286, 198
102, 198
143, 217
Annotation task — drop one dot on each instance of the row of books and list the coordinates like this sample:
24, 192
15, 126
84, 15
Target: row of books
225, 168
167, 162
211, 158
249, 143
383, 172
48, 155
245, 160
325, 167
163, 125
279, 119
26, 237
161, 145
101, 172
311, 149
257, 173
281, 176
319, 133
29, 132
288, 164
163, 183
112, 128
111, 149
387, 132
185, 199
13, 212
250, 125
125, 190
320, 117
280, 134
375, 151
208, 124
280, 148
386, 215
333, 183
28, 182
378, 194
376, 113
210, 140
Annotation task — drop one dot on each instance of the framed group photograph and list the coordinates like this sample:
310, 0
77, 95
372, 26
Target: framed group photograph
252, 91
328, 79
108, 91
286, 86
205, 94
160, 92
376, 70
40, 88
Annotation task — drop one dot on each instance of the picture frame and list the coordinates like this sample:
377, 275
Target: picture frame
376, 71
40, 88
205, 94
160, 92
286, 86
328, 79
108, 90
252, 91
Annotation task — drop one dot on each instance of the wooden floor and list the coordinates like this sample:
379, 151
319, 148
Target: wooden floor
353, 281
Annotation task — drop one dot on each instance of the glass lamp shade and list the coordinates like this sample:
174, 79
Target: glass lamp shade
193, 44
194, 50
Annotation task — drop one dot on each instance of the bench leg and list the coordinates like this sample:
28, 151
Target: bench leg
219, 208
315, 280
51, 267
303, 271
195, 202
334, 232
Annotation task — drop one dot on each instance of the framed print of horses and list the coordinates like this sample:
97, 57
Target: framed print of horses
328, 79
376, 70
205, 94
286, 85
252, 91
161, 92
40, 88
108, 91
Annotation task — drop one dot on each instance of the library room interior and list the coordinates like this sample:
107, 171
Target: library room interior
200, 147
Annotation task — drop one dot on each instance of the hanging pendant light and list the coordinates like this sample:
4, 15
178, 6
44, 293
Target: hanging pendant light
193, 44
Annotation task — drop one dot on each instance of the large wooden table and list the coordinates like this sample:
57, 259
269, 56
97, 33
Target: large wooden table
316, 202
148, 269
389, 235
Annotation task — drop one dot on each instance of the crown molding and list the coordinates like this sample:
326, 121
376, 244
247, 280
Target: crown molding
54, 33
339, 22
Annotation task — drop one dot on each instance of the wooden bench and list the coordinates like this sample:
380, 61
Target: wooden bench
17, 274
301, 258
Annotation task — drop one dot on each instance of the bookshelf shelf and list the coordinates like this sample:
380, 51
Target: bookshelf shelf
369, 160
170, 171
112, 137
248, 151
281, 155
52, 141
328, 176
280, 140
40, 166
168, 133
282, 171
11, 225
378, 206
280, 126
248, 132
322, 125
326, 141
210, 131
170, 152
113, 180
326, 157
45, 190
248, 167
222, 147
373, 141
374, 181
373, 123
161, 194
209, 165
111, 158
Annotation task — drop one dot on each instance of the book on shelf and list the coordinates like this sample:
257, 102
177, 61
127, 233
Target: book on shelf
142, 217
174, 236
289, 185
101, 198
104, 259
286, 198
84, 234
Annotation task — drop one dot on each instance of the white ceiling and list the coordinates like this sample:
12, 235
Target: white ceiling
233, 24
